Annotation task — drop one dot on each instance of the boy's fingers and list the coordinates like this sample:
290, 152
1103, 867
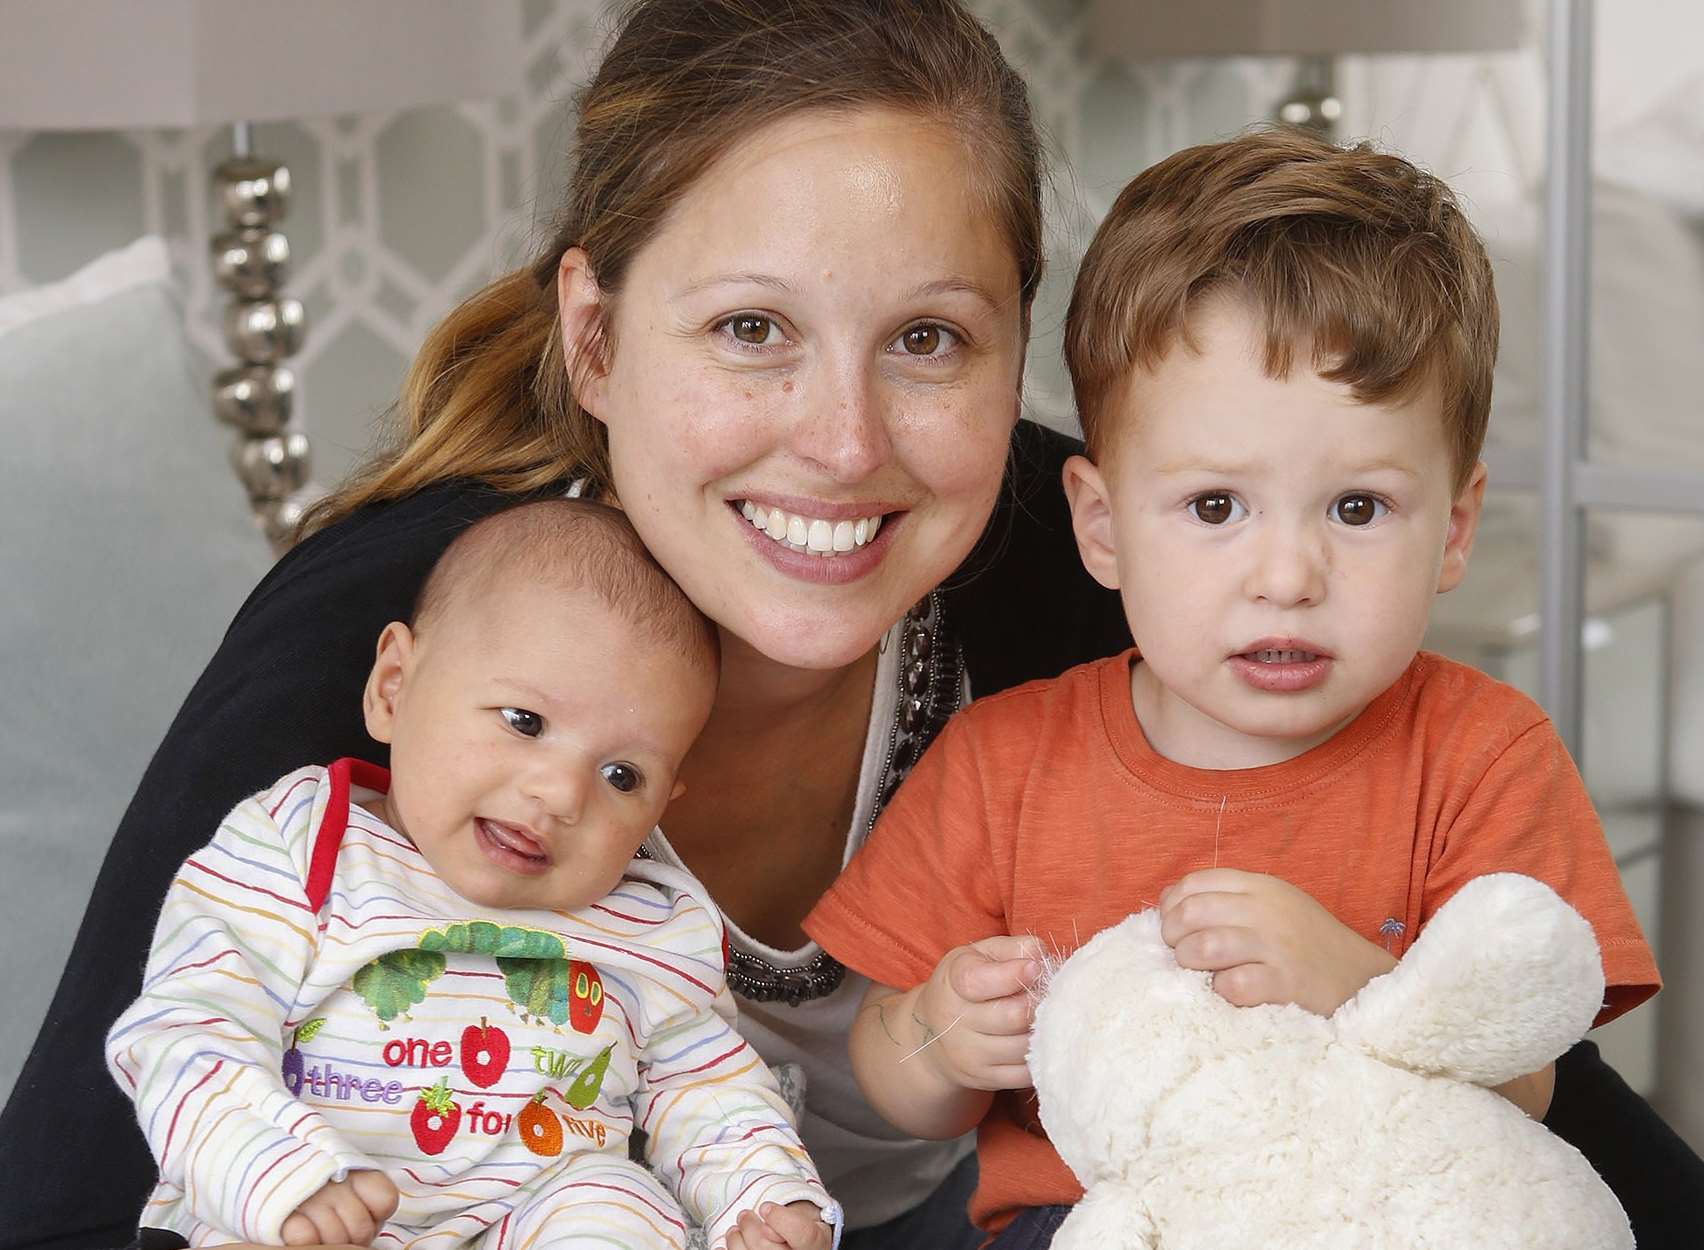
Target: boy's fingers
1211, 950
1205, 880
1000, 948
976, 978
1010, 1016
1204, 910
298, 1230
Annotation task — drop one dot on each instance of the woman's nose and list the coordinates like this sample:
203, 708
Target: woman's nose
844, 427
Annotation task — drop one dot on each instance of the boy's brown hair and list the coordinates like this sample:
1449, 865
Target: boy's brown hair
1352, 255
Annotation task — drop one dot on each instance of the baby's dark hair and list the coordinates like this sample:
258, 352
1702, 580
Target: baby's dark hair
577, 545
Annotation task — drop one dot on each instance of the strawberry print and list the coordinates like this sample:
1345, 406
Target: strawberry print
435, 1119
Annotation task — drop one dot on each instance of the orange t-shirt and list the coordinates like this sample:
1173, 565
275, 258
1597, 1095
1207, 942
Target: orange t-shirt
1043, 810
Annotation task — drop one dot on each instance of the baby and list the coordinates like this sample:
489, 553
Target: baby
433, 1004
1282, 355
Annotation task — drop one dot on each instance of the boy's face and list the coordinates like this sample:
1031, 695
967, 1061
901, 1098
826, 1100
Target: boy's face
535, 736
1276, 543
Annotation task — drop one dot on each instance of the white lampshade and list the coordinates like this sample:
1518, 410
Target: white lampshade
1162, 28
109, 64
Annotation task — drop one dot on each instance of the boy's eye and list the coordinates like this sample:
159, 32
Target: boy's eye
1216, 507
624, 777
527, 724
1359, 510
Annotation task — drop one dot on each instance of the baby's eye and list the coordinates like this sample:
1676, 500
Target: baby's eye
527, 724
624, 777
1359, 509
752, 329
927, 339
1217, 507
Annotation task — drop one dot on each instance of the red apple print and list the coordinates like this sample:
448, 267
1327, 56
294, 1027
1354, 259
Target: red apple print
484, 1053
585, 996
435, 1119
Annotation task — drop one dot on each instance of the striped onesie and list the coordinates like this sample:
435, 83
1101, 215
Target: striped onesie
317, 1000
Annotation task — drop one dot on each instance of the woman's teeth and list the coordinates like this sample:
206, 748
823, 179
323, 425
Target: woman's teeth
812, 534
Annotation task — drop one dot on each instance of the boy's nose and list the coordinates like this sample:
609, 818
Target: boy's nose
1289, 569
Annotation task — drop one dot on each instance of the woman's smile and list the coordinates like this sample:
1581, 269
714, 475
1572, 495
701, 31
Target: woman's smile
822, 440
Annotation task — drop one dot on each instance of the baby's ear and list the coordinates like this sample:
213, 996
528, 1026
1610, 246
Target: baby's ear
384, 683
1090, 500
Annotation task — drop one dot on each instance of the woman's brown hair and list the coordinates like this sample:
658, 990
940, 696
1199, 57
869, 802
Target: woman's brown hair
489, 395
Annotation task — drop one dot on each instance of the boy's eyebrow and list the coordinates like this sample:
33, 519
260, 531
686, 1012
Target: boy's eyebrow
1219, 468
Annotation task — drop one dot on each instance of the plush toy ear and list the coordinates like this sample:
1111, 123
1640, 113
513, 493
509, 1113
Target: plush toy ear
1505, 978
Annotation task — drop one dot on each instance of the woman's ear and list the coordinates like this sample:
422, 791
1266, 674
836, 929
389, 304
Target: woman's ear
1091, 519
384, 683
1464, 524
581, 305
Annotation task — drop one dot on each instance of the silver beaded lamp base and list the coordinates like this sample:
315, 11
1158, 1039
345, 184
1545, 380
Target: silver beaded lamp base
251, 260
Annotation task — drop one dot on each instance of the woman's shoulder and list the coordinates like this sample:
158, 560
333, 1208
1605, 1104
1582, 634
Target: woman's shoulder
1022, 605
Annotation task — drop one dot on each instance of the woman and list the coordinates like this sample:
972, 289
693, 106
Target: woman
783, 324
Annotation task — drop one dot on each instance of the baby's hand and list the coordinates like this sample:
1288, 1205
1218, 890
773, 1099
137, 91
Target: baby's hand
1265, 941
346, 1212
796, 1226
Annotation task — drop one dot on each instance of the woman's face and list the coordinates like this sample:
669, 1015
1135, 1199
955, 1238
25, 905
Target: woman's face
814, 374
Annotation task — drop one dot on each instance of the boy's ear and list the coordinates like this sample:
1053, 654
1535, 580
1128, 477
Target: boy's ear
384, 683
580, 302
1091, 519
1464, 523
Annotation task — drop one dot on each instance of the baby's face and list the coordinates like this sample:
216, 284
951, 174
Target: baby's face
535, 736
1276, 542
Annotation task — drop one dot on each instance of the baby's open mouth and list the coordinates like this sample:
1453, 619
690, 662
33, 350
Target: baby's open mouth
814, 535
512, 839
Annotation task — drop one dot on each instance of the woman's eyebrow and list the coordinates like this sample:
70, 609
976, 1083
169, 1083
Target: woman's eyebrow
954, 284
734, 279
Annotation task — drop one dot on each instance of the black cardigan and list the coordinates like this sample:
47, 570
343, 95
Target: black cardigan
283, 690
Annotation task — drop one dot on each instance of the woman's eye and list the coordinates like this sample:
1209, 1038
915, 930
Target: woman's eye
1216, 507
527, 724
753, 330
926, 340
1359, 510
624, 777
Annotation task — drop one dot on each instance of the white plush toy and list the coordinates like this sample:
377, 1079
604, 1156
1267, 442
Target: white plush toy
1196, 1125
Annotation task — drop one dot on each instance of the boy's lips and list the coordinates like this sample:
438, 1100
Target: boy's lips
1282, 665
510, 847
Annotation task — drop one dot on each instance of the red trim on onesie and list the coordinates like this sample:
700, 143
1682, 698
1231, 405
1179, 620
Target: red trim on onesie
322, 864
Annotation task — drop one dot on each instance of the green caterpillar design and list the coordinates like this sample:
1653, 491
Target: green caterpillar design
396, 981
534, 963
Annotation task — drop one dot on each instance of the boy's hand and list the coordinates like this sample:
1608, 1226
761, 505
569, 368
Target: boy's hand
796, 1226
346, 1212
972, 1018
1265, 941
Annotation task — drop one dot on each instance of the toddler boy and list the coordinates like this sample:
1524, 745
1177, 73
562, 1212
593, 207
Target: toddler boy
1282, 355
431, 1005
